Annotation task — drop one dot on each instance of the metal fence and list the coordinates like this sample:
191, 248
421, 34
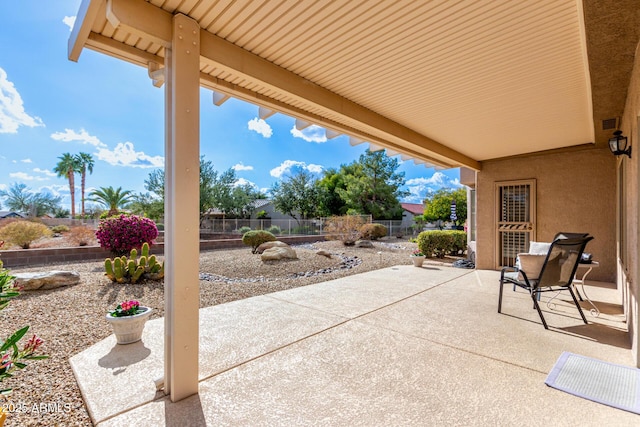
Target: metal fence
290, 227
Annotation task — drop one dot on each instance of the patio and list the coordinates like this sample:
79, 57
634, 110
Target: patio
397, 346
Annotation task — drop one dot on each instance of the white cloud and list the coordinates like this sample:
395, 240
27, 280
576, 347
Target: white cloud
421, 187
260, 126
46, 172
125, 155
241, 167
12, 114
69, 21
289, 165
70, 135
56, 190
3, 187
26, 161
26, 176
242, 181
312, 133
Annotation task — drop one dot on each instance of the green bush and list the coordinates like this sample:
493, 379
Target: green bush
243, 230
255, 238
23, 233
438, 242
60, 228
373, 231
274, 229
459, 241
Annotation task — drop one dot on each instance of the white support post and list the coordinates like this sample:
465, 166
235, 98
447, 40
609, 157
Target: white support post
182, 176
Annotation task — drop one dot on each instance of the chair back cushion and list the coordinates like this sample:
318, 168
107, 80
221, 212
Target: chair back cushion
539, 247
531, 264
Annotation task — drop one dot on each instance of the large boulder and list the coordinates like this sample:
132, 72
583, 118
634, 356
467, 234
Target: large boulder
268, 245
277, 253
46, 280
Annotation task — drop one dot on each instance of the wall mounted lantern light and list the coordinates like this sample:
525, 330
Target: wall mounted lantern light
618, 144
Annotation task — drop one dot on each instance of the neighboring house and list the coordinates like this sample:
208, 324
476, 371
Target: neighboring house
10, 214
409, 212
267, 206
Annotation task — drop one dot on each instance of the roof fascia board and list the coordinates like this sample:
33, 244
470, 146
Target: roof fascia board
82, 27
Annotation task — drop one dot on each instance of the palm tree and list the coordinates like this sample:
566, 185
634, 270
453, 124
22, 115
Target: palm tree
67, 167
85, 160
112, 199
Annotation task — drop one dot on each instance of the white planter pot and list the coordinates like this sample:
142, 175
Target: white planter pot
417, 260
128, 329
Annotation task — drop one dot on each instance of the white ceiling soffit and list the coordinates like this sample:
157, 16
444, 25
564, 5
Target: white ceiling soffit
449, 82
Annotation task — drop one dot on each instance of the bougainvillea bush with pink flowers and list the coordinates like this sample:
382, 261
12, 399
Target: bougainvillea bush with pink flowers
119, 234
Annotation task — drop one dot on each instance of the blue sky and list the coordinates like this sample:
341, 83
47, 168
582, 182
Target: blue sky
109, 108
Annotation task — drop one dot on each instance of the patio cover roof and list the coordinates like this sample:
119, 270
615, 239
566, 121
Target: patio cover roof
449, 82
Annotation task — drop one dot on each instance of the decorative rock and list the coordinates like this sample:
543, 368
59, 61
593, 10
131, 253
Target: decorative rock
268, 245
278, 253
46, 280
364, 244
323, 253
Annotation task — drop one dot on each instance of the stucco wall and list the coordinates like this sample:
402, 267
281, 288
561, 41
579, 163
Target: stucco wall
630, 270
576, 192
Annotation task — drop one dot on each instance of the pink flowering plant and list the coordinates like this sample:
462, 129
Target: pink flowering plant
126, 308
120, 234
417, 252
12, 358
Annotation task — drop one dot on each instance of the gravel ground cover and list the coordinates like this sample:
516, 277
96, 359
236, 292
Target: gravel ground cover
71, 319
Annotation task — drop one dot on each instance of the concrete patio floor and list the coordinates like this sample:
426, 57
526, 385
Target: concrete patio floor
397, 346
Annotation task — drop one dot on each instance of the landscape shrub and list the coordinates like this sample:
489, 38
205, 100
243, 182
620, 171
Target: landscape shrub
60, 228
23, 233
373, 231
459, 242
81, 236
243, 230
255, 238
274, 229
120, 234
441, 242
345, 228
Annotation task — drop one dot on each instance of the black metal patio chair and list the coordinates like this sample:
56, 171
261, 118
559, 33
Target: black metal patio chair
552, 272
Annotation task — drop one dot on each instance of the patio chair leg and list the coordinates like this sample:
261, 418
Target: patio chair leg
500, 296
535, 304
578, 306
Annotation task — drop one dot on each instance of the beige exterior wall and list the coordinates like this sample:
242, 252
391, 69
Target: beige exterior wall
629, 265
576, 192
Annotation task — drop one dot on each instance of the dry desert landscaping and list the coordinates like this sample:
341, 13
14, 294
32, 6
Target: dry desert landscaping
70, 319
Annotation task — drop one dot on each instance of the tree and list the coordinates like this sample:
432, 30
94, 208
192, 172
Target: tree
68, 166
86, 163
155, 183
438, 206
21, 198
217, 190
148, 205
111, 199
332, 203
297, 196
372, 186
